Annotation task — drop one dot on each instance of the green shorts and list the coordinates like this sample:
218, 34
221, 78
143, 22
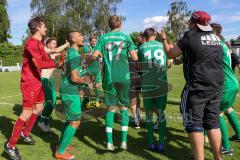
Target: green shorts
117, 93
50, 92
72, 106
227, 99
155, 103
97, 77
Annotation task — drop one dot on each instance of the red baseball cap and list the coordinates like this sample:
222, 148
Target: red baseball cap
202, 19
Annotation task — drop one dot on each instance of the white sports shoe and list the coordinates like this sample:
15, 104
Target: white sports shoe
110, 147
124, 145
43, 127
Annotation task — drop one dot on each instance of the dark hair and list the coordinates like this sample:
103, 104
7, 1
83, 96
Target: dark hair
70, 36
49, 40
217, 28
141, 35
92, 37
114, 22
149, 32
34, 23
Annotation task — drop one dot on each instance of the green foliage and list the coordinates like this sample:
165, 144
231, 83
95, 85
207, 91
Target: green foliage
10, 54
134, 37
178, 16
4, 22
87, 16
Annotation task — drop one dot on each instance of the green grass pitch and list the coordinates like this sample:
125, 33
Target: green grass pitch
89, 141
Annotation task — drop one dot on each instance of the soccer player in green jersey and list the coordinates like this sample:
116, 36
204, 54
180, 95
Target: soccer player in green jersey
69, 94
154, 85
93, 69
114, 47
230, 89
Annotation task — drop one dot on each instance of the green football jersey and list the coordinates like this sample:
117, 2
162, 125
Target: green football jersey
115, 47
154, 68
230, 80
94, 67
72, 62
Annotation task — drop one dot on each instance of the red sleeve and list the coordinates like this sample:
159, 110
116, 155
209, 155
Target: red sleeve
39, 57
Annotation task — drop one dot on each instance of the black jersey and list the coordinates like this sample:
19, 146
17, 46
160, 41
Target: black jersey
202, 58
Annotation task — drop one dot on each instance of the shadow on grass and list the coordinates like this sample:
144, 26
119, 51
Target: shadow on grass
17, 109
173, 102
6, 130
89, 130
50, 137
93, 128
6, 126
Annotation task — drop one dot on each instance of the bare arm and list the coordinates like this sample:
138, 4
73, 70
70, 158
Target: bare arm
96, 54
80, 80
91, 58
133, 55
169, 63
173, 52
57, 50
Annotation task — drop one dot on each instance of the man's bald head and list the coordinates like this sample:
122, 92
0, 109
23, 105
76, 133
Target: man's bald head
75, 37
71, 36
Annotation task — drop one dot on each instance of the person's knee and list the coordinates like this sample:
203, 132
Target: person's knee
38, 109
229, 110
133, 107
111, 108
221, 114
133, 103
26, 114
123, 108
75, 124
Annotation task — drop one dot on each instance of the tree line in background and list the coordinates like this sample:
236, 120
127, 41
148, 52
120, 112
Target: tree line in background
178, 15
4, 22
88, 16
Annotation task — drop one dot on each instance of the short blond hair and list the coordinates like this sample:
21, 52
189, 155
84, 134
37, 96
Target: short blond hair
114, 22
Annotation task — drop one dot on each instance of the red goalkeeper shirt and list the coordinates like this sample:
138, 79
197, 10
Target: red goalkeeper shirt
34, 60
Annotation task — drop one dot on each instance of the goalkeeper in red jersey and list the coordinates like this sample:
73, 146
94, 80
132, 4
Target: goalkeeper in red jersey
34, 60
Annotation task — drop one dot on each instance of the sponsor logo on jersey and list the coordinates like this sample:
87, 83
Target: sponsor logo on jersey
210, 40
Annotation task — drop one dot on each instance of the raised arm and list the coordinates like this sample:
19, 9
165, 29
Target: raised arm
133, 55
170, 52
58, 49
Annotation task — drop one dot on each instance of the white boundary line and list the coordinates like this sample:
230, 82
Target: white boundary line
4, 103
10, 96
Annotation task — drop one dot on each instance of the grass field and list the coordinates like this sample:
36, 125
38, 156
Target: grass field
89, 141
